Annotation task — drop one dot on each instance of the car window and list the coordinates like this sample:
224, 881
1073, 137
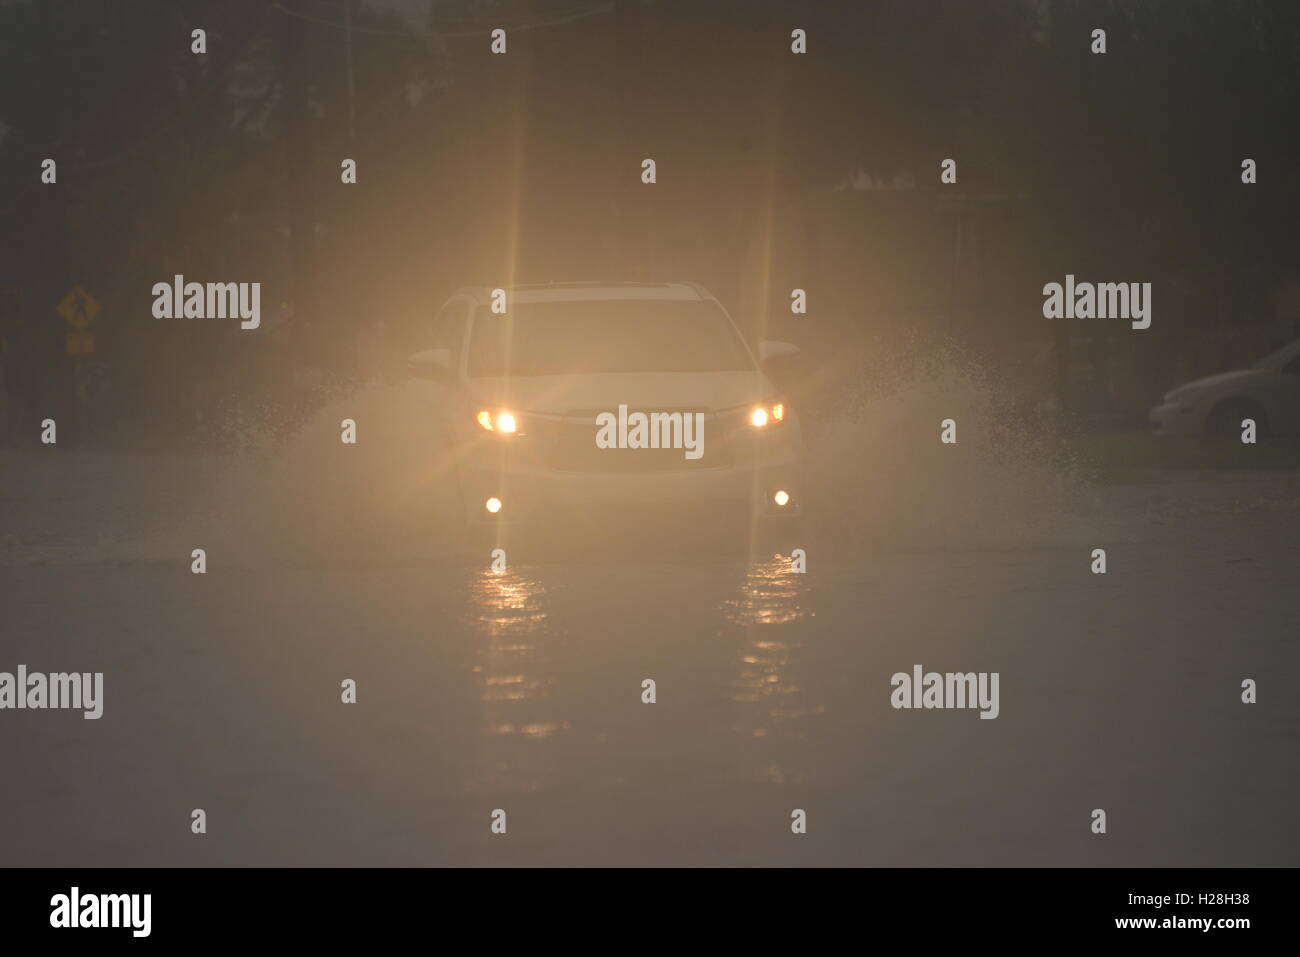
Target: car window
449, 328
606, 336
1279, 358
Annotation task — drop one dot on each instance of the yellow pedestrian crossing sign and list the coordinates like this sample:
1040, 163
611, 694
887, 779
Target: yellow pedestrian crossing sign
78, 308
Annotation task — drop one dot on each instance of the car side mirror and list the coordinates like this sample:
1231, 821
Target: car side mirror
767, 351
431, 364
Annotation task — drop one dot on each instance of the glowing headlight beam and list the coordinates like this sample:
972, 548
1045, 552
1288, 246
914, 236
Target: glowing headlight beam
762, 415
504, 422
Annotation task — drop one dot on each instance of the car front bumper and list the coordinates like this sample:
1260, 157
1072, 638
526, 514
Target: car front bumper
1175, 418
529, 488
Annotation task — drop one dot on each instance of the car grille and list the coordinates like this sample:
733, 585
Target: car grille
570, 446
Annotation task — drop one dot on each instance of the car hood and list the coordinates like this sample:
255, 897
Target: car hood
1233, 378
649, 391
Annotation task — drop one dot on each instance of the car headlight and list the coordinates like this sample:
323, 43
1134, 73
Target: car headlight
500, 421
762, 416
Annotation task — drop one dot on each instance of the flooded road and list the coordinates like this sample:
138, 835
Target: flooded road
522, 691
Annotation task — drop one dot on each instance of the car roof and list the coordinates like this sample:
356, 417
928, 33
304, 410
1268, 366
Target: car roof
580, 291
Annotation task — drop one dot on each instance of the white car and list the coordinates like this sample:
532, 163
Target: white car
1268, 392
610, 396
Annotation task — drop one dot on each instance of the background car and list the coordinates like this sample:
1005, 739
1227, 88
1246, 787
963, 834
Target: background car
1268, 392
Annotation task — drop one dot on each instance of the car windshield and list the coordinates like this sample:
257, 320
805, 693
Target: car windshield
1278, 357
606, 336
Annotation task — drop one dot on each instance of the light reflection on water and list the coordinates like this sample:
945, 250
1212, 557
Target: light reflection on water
770, 594
518, 665
511, 658
774, 706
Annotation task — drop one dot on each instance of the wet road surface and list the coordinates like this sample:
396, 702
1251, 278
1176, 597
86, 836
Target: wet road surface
522, 691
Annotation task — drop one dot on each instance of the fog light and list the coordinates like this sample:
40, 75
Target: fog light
758, 418
493, 505
782, 497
